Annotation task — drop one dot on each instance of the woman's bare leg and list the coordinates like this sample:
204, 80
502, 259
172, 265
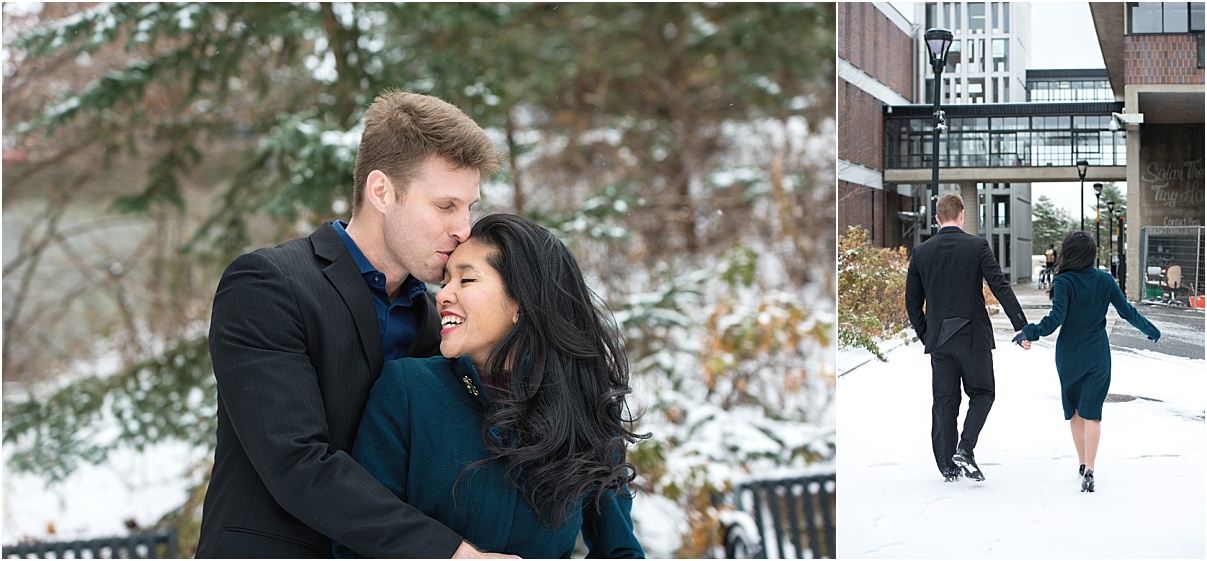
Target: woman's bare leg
1077, 426
1093, 432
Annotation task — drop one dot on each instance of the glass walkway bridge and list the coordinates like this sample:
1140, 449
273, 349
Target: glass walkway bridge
1005, 142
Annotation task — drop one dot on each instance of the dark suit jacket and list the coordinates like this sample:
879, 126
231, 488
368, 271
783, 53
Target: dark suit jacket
945, 275
296, 348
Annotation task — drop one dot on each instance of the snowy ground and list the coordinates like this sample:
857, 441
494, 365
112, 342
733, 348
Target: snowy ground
96, 500
1150, 467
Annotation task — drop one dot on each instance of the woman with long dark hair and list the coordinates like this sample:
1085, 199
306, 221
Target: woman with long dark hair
515, 438
1080, 294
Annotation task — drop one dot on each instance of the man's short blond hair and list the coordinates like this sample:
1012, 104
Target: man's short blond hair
949, 207
403, 129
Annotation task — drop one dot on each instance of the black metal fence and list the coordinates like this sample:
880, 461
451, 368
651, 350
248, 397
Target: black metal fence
159, 545
788, 518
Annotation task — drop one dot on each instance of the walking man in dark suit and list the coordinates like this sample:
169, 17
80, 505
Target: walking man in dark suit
946, 307
300, 332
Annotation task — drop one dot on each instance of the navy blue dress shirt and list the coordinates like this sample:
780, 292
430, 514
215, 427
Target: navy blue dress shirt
397, 319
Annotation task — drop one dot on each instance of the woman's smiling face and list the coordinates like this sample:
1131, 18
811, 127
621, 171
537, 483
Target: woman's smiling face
475, 311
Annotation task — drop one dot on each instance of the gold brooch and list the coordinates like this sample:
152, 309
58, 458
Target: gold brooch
469, 385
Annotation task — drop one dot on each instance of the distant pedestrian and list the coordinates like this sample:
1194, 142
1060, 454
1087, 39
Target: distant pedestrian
946, 307
1080, 294
1049, 267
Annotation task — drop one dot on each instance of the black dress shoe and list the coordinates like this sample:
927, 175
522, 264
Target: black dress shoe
963, 458
1087, 481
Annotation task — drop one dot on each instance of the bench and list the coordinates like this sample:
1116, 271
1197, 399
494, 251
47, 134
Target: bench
784, 518
150, 545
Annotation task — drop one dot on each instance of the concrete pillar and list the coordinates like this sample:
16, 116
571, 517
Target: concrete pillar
972, 208
1135, 201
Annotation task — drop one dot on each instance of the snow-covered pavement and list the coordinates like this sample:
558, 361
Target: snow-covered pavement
1151, 465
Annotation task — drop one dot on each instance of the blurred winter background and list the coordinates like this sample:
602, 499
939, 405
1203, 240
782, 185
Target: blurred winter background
685, 152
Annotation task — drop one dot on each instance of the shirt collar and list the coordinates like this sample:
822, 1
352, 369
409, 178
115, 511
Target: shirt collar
412, 287
358, 256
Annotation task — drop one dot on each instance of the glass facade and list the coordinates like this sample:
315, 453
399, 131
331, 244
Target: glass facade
1069, 85
1164, 17
1070, 90
1007, 140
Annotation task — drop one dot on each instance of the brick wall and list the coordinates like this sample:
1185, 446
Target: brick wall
1161, 59
860, 127
875, 210
872, 43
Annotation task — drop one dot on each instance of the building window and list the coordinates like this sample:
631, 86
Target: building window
1001, 211
1164, 17
976, 17
1176, 17
954, 57
932, 15
1000, 60
1069, 90
976, 90
1145, 17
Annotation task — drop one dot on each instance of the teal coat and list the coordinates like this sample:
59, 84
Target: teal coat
1083, 351
422, 426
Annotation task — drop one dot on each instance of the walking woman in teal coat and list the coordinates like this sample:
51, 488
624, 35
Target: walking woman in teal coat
1080, 294
515, 438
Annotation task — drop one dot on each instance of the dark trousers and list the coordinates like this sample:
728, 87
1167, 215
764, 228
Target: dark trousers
950, 365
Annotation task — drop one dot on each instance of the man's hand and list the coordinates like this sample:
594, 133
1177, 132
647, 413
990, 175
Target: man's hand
1021, 340
466, 551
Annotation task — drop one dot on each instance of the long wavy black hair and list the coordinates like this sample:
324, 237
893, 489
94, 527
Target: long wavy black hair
558, 379
1076, 253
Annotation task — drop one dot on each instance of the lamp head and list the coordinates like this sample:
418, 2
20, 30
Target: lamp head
1082, 166
938, 42
1097, 188
1110, 206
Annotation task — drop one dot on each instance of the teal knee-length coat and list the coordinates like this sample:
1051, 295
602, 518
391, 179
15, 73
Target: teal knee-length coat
423, 424
1083, 351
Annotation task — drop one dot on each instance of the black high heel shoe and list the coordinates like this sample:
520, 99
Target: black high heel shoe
1087, 481
1081, 470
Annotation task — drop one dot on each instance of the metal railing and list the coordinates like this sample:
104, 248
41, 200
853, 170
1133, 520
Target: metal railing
151, 545
788, 518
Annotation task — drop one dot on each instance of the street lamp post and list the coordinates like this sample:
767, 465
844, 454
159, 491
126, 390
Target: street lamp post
1122, 267
1097, 216
1110, 213
938, 41
1082, 166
